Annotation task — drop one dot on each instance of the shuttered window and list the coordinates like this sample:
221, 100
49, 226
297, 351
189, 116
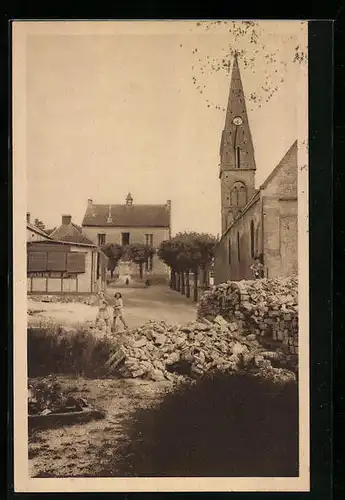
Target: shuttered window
56, 261
76, 262
37, 261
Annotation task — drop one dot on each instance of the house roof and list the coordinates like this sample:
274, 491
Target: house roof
127, 216
36, 229
37, 244
70, 233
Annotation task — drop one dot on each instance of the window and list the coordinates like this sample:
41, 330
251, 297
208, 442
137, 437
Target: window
238, 194
76, 262
101, 239
238, 248
125, 238
149, 239
238, 157
229, 251
252, 240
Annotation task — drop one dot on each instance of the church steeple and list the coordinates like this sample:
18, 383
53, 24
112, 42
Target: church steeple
237, 161
236, 149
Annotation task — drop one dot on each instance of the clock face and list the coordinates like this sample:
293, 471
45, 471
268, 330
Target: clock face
237, 120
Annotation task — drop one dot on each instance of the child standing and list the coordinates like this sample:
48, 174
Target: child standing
118, 310
103, 314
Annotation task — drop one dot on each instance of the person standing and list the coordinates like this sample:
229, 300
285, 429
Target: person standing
103, 314
118, 311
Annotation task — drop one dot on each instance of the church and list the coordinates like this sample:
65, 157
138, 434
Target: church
256, 224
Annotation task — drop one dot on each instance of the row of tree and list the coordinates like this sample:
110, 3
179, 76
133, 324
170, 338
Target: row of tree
188, 253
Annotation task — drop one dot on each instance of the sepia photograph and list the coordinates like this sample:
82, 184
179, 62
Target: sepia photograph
160, 180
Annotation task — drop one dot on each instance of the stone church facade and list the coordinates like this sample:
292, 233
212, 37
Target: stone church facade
256, 223
130, 223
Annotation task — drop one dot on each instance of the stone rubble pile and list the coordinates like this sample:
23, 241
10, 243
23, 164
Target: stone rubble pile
159, 352
266, 308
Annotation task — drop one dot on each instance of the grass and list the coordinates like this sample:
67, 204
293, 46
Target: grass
220, 426
52, 350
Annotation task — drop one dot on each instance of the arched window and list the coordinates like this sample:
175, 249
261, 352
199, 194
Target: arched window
242, 197
238, 195
238, 157
238, 248
252, 240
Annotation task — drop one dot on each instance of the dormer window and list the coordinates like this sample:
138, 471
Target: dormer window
109, 218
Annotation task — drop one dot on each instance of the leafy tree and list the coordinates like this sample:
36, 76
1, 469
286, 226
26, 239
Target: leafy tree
38, 223
251, 41
114, 252
139, 254
188, 252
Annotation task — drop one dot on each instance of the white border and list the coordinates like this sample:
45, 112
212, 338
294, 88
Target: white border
22, 481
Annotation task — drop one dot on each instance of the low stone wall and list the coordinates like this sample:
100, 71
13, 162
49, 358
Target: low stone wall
86, 298
267, 308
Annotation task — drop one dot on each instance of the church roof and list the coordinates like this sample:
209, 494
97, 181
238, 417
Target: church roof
292, 150
70, 233
127, 215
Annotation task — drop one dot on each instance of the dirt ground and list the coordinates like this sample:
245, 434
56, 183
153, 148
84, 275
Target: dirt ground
79, 450
140, 305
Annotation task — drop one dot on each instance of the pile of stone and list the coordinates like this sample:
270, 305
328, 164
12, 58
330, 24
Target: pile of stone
159, 352
266, 308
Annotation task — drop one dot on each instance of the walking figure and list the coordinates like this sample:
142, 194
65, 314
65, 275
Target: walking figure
118, 311
103, 314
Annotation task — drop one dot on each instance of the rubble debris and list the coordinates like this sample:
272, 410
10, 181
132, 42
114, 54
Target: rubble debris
158, 351
265, 309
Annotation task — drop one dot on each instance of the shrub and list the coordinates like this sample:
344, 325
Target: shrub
227, 425
52, 350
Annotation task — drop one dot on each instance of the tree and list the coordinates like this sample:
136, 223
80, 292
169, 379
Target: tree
167, 253
139, 254
114, 252
252, 42
188, 252
38, 223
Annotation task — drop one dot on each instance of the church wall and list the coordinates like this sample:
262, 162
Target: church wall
280, 219
238, 267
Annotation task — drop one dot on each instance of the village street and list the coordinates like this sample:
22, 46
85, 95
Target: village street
141, 304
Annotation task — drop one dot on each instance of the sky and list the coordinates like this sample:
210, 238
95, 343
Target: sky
112, 107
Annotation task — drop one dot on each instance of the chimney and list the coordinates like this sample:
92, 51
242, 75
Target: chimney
28, 216
89, 201
169, 205
66, 219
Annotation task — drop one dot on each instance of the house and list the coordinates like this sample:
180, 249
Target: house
65, 263
34, 233
129, 223
256, 223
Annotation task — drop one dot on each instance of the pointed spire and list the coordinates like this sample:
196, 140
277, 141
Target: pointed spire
237, 149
